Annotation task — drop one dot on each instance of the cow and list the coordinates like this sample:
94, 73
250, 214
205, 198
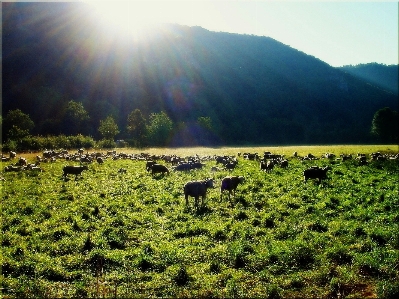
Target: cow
196, 189
267, 166
159, 168
149, 164
316, 172
182, 167
230, 184
76, 170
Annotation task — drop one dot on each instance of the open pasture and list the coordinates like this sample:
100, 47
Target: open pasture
119, 231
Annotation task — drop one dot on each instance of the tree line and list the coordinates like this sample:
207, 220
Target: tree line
157, 129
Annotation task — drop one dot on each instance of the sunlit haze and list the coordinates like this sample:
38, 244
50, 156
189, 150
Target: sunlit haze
338, 32
128, 20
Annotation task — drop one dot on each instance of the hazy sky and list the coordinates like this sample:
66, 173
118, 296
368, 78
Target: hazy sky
337, 32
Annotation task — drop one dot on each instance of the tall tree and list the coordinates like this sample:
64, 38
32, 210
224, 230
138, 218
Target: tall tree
74, 118
17, 124
108, 128
159, 129
385, 125
136, 126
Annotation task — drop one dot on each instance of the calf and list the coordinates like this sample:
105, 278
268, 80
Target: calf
76, 170
230, 183
316, 173
196, 189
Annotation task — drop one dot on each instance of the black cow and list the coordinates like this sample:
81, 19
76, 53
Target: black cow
316, 172
159, 168
183, 167
76, 170
148, 165
230, 184
197, 189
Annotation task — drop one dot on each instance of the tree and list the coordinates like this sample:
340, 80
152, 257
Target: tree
206, 129
108, 128
136, 126
159, 129
74, 117
205, 122
17, 124
385, 125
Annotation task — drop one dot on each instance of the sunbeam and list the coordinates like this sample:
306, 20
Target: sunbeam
124, 20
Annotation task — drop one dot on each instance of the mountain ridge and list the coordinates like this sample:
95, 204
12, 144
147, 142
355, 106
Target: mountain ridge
381, 75
255, 89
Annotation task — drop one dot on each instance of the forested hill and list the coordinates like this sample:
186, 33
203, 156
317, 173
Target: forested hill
385, 76
254, 89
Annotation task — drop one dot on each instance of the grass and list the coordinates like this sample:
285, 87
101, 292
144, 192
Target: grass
111, 234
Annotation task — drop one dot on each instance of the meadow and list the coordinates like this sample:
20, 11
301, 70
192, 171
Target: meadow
129, 234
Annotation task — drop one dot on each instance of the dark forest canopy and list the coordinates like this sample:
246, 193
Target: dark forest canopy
253, 89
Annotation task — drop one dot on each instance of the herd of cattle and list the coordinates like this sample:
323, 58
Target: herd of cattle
196, 189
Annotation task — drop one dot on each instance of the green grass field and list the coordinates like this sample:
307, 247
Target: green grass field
111, 234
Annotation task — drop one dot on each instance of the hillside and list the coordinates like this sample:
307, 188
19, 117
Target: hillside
383, 76
255, 89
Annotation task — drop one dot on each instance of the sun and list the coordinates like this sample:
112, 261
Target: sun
127, 20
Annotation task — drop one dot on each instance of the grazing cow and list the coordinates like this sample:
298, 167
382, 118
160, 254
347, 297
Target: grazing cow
345, 157
149, 164
10, 168
221, 159
268, 166
197, 165
283, 163
230, 184
183, 167
100, 160
249, 156
362, 159
76, 170
159, 168
196, 189
22, 162
316, 172
231, 165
